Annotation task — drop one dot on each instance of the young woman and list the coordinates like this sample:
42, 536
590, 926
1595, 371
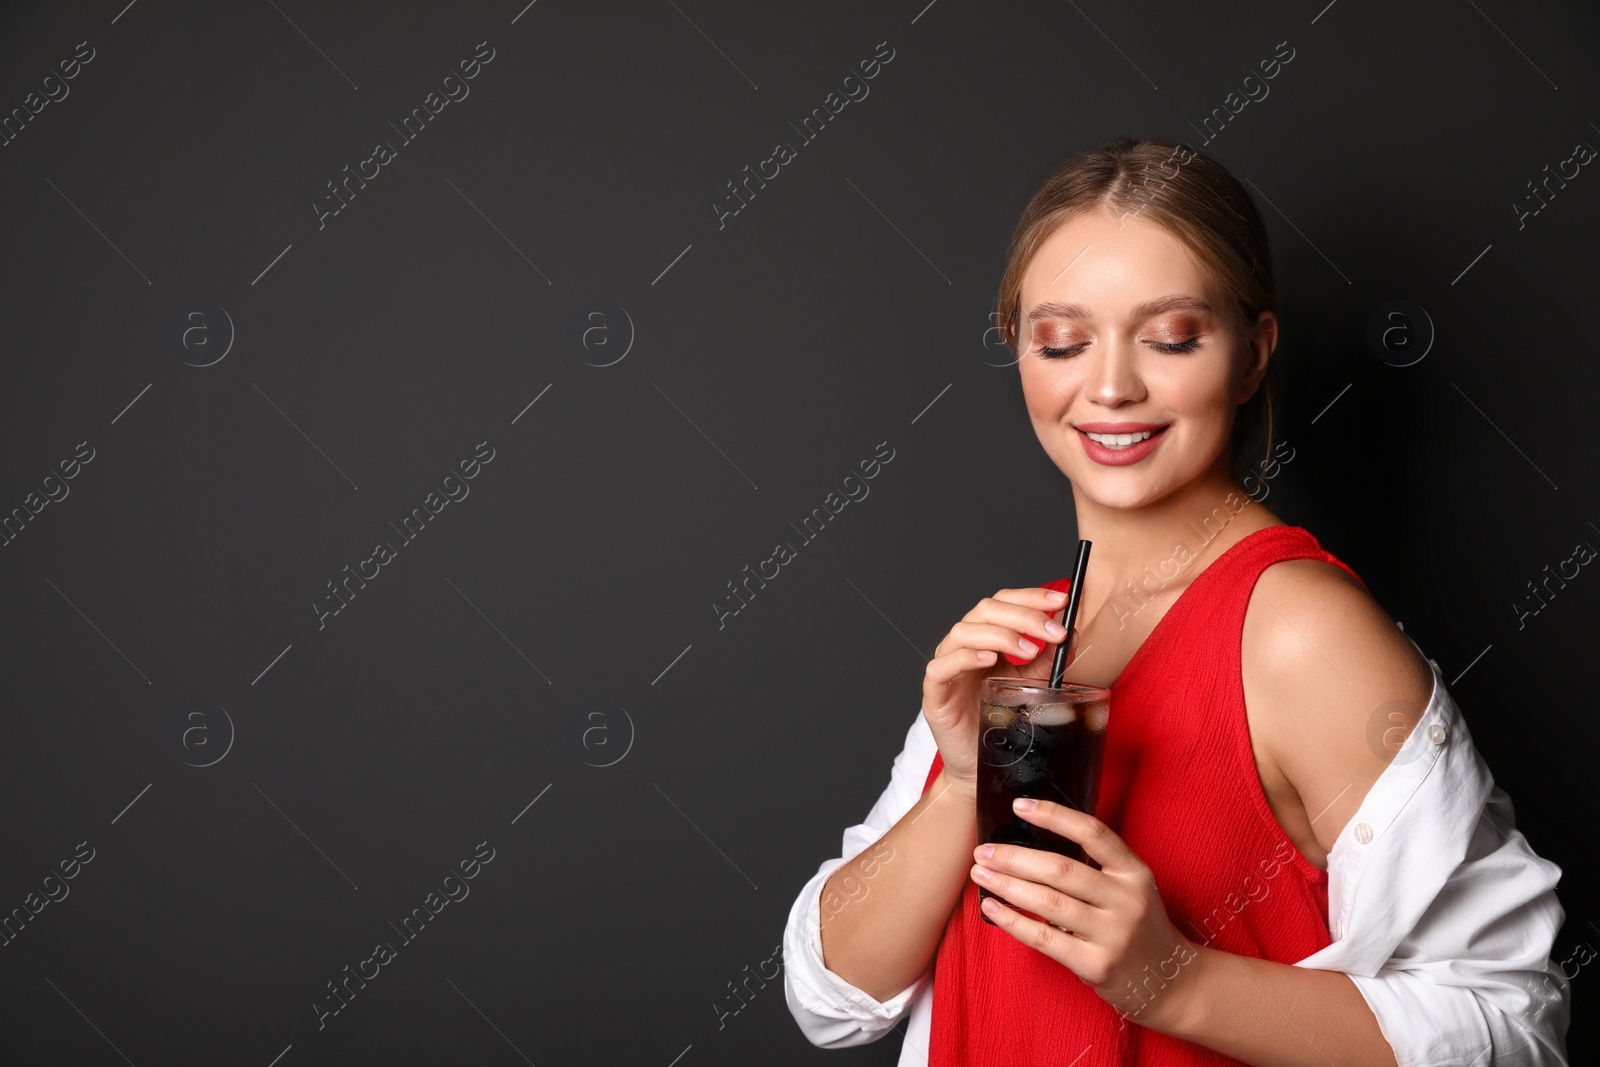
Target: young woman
1299, 857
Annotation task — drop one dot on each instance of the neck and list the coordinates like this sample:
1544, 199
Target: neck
1163, 545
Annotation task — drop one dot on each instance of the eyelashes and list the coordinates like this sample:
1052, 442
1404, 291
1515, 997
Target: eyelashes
1190, 345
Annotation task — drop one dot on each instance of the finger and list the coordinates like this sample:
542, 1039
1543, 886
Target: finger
1070, 951
1045, 901
1046, 659
998, 638
1099, 841
1037, 620
1034, 597
944, 671
1041, 666
1053, 608
1037, 626
1070, 876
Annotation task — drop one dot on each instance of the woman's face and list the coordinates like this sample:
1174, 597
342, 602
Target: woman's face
1121, 332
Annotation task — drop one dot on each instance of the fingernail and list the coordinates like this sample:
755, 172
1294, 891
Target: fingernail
1055, 595
1054, 629
1029, 649
1024, 804
985, 852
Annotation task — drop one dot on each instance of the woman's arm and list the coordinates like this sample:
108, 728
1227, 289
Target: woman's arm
880, 915
1444, 915
882, 938
831, 1012
1334, 690
1274, 1014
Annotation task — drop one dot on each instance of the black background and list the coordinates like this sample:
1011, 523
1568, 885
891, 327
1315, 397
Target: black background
564, 608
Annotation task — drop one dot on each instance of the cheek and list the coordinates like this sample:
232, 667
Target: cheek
1044, 388
1199, 392
1213, 401
1036, 391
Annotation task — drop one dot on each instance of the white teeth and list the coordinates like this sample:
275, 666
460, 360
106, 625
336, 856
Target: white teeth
1118, 440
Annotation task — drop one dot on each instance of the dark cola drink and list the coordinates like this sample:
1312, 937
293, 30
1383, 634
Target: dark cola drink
1042, 743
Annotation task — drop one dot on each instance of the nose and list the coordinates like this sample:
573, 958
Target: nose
1112, 375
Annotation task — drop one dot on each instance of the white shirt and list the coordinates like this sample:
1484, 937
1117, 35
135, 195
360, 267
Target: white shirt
1442, 915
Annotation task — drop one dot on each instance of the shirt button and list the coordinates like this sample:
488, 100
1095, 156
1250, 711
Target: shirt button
1436, 734
1363, 832
1338, 935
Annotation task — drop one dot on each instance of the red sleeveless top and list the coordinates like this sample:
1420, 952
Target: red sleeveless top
1180, 786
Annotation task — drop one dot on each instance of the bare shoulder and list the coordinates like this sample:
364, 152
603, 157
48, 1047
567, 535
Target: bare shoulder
1328, 678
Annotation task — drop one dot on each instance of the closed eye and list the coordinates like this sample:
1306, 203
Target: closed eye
1182, 346
1054, 353
1190, 345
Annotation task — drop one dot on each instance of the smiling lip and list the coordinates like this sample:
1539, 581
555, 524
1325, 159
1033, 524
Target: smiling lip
1119, 427
1120, 457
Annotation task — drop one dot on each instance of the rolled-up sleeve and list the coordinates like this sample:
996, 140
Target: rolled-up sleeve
831, 1012
1443, 915
1475, 980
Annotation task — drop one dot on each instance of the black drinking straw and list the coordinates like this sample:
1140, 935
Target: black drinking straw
1060, 664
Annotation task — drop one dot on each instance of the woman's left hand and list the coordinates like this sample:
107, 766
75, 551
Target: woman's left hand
1108, 926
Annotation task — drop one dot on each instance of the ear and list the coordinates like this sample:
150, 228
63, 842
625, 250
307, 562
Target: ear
1260, 341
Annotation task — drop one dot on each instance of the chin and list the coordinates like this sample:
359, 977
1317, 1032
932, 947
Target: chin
1135, 493
1128, 501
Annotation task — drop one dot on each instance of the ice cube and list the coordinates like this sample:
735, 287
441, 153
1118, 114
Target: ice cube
1096, 714
1051, 714
998, 715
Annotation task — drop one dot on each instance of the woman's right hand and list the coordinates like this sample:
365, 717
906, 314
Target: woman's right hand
952, 687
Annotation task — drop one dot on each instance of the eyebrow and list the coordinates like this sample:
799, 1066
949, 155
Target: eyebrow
1055, 309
